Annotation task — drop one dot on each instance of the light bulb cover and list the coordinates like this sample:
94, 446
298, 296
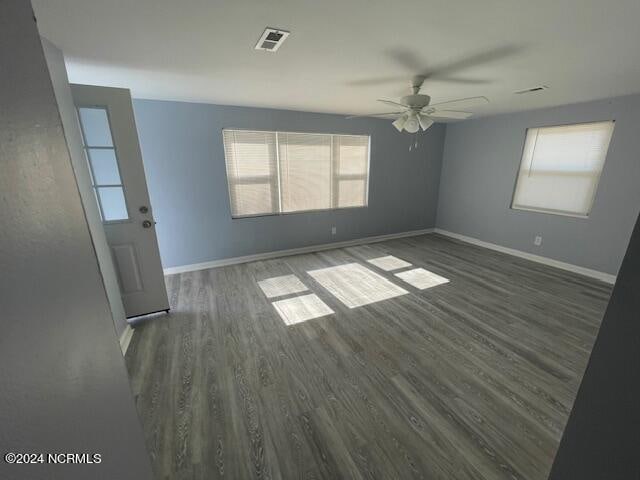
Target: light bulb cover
425, 121
399, 122
412, 125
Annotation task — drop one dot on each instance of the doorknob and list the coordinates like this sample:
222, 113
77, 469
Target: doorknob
147, 224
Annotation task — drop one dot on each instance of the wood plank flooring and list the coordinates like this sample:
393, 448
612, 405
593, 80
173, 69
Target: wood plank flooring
473, 379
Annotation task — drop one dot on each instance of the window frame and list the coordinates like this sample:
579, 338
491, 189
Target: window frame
274, 176
333, 180
87, 155
560, 213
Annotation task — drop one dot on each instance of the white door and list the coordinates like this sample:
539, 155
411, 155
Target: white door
112, 150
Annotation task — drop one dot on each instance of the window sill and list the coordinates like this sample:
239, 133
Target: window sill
550, 212
297, 212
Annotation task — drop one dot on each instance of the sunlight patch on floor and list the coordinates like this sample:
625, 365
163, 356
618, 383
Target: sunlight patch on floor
389, 263
279, 286
300, 309
421, 278
355, 285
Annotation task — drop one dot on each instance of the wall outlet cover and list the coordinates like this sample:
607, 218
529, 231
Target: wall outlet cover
537, 241
333, 230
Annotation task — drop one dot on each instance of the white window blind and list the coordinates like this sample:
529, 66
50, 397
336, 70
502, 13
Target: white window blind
351, 170
561, 168
284, 172
252, 175
305, 171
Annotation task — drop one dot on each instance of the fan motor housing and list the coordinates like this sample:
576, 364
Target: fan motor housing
416, 101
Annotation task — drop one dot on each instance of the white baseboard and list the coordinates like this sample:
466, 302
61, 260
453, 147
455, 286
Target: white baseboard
125, 339
605, 277
293, 251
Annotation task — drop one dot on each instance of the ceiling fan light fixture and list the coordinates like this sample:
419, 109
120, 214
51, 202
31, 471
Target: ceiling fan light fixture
412, 125
425, 122
400, 122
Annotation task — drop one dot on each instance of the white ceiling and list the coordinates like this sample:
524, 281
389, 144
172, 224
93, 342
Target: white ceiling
197, 50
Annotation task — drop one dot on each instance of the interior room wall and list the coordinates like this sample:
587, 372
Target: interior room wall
62, 90
480, 163
601, 437
184, 162
63, 379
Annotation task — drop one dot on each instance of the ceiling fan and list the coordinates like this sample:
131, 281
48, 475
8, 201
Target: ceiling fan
417, 113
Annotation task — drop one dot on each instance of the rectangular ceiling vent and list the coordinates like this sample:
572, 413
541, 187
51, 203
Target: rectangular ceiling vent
532, 89
271, 39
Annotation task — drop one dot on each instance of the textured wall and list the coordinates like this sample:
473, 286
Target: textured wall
601, 438
63, 383
480, 164
184, 161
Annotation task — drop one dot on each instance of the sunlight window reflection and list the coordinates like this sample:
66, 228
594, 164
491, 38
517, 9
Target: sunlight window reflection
279, 286
389, 263
355, 285
421, 278
300, 309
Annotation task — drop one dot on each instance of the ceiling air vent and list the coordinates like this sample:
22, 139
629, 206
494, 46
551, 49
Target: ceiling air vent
271, 39
532, 89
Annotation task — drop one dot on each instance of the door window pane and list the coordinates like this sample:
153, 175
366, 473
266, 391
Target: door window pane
95, 126
113, 204
103, 163
104, 166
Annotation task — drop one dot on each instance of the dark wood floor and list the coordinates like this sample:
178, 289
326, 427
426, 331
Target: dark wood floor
472, 379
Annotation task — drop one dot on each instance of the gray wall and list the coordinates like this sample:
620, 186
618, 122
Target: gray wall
601, 438
62, 90
184, 162
63, 382
480, 164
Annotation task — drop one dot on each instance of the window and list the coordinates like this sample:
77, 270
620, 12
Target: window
283, 172
103, 163
561, 167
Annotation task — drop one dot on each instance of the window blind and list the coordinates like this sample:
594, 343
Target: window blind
305, 171
251, 160
285, 172
351, 167
561, 167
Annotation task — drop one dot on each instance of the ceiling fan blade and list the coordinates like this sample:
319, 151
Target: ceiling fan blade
412, 61
450, 114
395, 104
458, 80
469, 102
375, 115
406, 58
475, 59
365, 82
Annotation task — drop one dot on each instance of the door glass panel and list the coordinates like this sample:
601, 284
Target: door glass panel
104, 166
103, 163
113, 204
95, 126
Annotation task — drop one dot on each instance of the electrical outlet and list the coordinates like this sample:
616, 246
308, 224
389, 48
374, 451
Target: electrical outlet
537, 241
333, 230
